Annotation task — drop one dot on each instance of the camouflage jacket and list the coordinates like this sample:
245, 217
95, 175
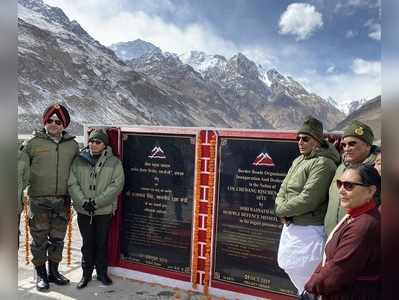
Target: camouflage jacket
50, 163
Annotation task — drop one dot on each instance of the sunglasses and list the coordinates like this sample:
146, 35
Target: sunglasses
50, 121
348, 185
305, 138
97, 142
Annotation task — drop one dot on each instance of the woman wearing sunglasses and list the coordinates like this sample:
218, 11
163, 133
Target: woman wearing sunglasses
351, 263
301, 204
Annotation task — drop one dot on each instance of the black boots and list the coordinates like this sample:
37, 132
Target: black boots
104, 279
86, 278
41, 279
54, 275
83, 282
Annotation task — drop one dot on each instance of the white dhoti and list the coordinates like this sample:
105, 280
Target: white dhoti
300, 251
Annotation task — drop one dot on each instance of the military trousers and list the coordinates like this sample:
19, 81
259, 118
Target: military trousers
94, 231
48, 224
19, 230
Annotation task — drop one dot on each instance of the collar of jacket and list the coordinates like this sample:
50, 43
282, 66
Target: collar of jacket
85, 154
315, 152
65, 136
357, 211
326, 150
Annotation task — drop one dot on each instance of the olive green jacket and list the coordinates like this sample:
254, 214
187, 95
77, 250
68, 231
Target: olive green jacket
334, 211
49, 164
303, 195
100, 180
23, 169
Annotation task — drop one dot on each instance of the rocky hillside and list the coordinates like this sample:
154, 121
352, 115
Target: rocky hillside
59, 61
261, 98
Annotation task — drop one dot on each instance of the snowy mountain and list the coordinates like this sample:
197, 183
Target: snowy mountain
369, 112
283, 101
206, 95
133, 49
348, 106
203, 62
355, 105
255, 93
59, 61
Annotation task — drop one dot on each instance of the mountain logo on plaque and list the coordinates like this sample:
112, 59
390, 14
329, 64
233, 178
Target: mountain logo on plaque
263, 159
157, 152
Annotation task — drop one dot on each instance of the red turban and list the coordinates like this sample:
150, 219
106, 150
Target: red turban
58, 110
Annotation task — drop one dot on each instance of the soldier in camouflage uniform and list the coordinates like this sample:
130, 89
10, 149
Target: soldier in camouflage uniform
51, 152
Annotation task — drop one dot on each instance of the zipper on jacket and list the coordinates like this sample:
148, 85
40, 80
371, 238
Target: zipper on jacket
93, 179
56, 177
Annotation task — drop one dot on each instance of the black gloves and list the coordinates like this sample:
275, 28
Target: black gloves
89, 206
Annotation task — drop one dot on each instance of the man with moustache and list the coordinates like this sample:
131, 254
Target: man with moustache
358, 148
50, 151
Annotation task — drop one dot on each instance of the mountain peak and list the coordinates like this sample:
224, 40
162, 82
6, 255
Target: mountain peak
369, 112
202, 62
194, 57
355, 105
197, 54
31, 3
53, 15
286, 83
134, 49
239, 56
241, 59
141, 41
243, 66
273, 75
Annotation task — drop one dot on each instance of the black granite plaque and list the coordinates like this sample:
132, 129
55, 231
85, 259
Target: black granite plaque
248, 232
158, 201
